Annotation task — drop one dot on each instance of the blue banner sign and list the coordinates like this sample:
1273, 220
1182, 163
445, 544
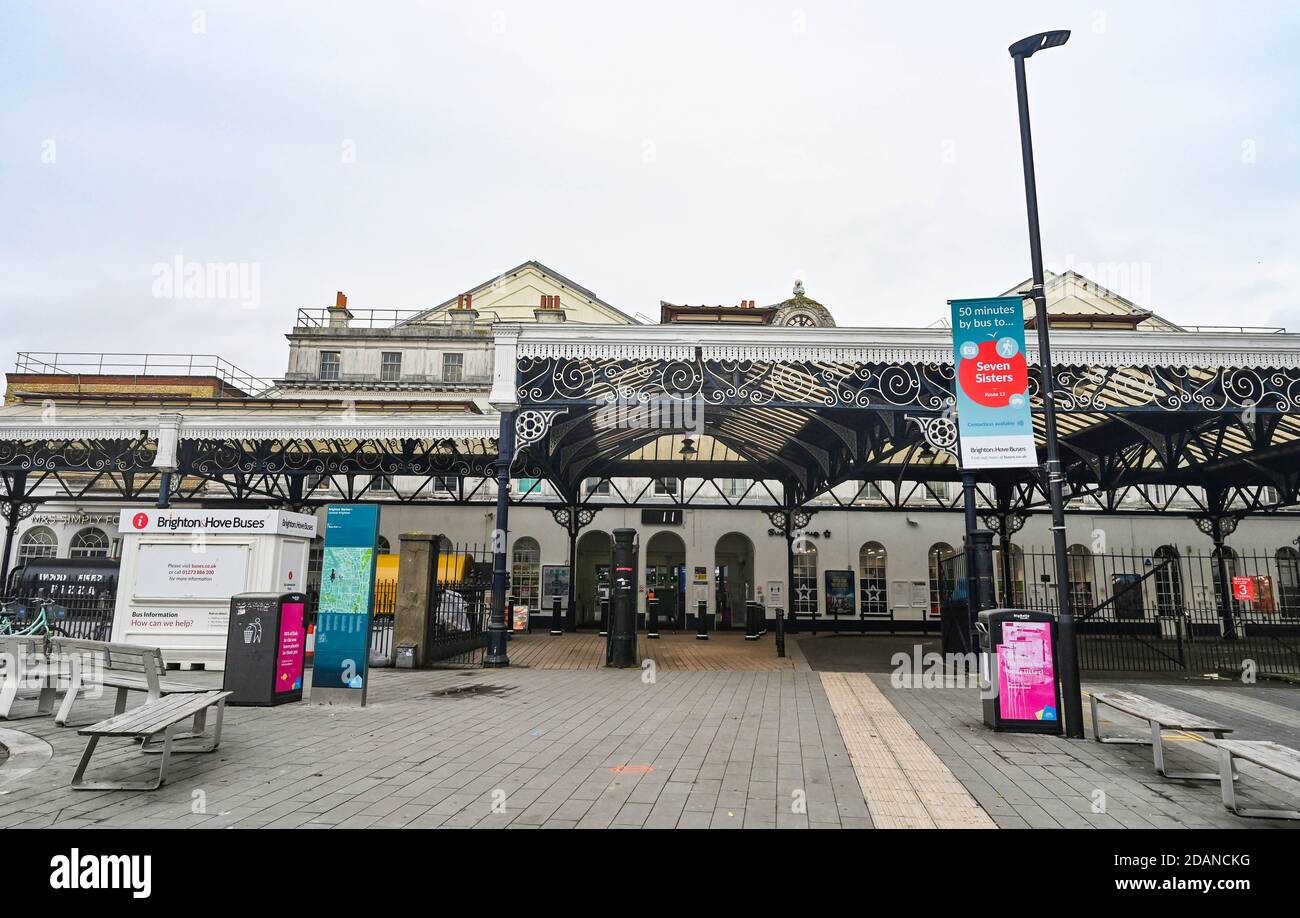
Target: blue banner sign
992, 383
347, 592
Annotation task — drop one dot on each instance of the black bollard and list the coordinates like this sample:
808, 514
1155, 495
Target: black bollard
557, 619
622, 623
702, 620
604, 617
652, 616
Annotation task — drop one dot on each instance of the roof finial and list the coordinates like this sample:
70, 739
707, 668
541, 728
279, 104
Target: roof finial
798, 287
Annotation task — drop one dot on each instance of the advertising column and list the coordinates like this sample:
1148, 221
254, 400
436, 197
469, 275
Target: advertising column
347, 590
993, 417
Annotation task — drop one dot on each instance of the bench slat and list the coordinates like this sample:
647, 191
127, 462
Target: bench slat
130, 720
1147, 709
153, 718
139, 683
1274, 756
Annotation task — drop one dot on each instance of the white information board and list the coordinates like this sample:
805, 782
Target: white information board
180, 571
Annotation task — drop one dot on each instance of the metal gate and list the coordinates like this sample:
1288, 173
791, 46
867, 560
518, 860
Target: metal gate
460, 607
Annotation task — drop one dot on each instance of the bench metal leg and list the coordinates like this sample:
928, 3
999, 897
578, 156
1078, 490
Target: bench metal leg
1226, 776
1118, 740
197, 739
79, 784
70, 696
1158, 753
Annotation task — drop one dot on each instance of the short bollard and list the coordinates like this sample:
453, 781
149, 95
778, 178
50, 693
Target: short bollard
701, 620
652, 617
557, 620
604, 618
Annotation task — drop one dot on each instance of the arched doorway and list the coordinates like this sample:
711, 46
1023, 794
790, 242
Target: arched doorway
592, 570
733, 573
938, 551
804, 593
665, 576
1083, 590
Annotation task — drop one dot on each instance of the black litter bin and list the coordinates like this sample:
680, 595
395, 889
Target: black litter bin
1019, 682
755, 620
266, 645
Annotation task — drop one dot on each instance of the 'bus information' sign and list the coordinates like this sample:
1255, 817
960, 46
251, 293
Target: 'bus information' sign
993, 418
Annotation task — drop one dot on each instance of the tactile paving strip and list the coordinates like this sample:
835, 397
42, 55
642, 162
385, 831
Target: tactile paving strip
903, 781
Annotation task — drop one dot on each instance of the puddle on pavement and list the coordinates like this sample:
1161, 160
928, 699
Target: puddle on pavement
472, 690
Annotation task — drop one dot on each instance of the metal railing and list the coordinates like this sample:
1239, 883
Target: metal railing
1236, 329
1170, 610
89, 363
84, 617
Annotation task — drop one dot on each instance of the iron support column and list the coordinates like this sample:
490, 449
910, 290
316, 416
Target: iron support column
13, 513
571, 616
497, 635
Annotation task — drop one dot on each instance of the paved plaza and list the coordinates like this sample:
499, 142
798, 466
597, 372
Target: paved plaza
808, 741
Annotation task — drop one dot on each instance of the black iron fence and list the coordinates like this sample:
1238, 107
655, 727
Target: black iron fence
89, 617
1167, 610
382, 620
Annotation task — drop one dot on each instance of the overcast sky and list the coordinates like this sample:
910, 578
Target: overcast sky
701, 152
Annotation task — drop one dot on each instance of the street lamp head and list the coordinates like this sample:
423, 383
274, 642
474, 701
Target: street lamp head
1027, 46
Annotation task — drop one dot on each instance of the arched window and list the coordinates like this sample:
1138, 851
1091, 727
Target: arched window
804, 600
526, 572
89, 543
938, 551
1169, 581
1082, 591
1288, 581
38, 542
873, 588
385, 547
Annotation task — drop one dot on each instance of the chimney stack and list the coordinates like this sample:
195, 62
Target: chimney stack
339, 313
464, 313
549, 309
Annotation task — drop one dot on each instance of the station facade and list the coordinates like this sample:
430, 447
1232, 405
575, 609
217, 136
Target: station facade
712, 538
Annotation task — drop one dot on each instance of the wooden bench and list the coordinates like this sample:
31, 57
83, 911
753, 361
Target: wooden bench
1266, 754
125, 667
145, 723
24, 662
1159, 717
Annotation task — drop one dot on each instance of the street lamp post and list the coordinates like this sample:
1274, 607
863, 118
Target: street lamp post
1068, 650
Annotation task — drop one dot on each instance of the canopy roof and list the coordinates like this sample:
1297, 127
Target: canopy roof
804, 409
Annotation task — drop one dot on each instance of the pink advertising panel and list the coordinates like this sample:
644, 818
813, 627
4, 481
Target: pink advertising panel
289, 657
1026, 675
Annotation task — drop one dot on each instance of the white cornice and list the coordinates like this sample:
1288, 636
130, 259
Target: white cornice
239, 426
896, 345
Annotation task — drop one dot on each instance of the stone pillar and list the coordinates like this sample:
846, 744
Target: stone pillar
416, 582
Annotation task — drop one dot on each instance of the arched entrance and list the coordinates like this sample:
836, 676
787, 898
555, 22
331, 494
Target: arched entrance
665, 575
591, 565
734, 578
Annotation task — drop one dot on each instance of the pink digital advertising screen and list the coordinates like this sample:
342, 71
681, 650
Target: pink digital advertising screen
1026, 674
289, 658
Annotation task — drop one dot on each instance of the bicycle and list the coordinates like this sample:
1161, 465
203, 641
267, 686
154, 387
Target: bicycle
14, 614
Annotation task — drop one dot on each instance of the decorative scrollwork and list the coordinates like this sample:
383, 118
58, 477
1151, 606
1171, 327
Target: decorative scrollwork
940, 432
